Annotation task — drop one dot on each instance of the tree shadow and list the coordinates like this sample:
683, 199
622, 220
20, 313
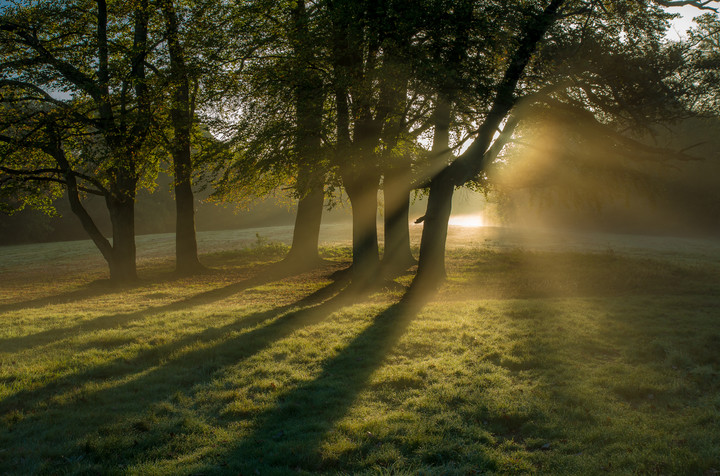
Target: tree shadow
61, 408
288, 437
154, 275
297, 313
89, 290
267, 274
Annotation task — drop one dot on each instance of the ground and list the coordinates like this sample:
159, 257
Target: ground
543, 353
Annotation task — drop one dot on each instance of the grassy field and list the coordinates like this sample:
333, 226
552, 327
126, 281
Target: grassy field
529, 360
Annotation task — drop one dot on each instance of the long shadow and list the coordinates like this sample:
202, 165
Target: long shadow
113, 321
288, 437
153, 370
318, 300
90, 290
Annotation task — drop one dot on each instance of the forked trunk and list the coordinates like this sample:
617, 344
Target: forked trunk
431, 263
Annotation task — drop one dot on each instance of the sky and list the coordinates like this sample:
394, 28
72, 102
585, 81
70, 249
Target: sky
680, 25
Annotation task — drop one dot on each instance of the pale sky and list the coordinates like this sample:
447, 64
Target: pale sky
681, 25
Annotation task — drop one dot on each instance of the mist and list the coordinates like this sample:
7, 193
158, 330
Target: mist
556, 176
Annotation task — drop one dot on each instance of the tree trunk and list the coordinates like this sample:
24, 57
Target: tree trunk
73, 192
366, 256
186, 251
304, 250
396, 190
431, 265
186, 258
309, 98
122, 216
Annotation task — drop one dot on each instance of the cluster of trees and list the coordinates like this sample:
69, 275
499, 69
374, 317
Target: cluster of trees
324, 95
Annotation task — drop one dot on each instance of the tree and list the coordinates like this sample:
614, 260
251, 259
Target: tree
528, 75
86, 96
181, 118
372, 60
309, 95
277, 130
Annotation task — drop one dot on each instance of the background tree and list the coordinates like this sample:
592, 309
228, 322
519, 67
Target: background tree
278, 125
89, 64
535, 68
181, 119
201, 40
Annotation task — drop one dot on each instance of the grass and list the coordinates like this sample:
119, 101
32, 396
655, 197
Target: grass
525, 362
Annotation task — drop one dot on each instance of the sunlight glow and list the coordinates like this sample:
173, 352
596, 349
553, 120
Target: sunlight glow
467, 220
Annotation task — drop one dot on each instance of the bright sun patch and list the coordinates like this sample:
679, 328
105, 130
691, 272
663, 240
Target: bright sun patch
467, 220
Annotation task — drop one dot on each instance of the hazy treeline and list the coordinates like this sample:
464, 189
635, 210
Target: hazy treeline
596, 191
320, 99
154, 213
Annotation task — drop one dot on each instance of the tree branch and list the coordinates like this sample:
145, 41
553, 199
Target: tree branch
68, 71
27, 176
702, 5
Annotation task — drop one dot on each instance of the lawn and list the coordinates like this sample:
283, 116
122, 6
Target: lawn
543, 361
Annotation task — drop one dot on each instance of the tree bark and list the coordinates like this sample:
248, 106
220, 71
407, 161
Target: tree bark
431, 264
186, 253
306, 233
122, 216
396, 191
310, 185
57, 152
364, 203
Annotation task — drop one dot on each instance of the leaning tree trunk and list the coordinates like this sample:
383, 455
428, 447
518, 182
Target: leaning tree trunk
431, 263
73, 193
396, 191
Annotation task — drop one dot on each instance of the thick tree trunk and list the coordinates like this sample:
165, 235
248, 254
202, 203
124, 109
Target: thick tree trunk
186, 251
431, 265
366, 256
310, 187
122, 216
304, 250
396, 191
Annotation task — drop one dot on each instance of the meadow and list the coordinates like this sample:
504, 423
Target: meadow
542, 359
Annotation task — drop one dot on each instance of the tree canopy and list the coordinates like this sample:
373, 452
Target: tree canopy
363, 95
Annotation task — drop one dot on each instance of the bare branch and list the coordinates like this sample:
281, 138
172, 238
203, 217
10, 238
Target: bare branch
34, 175
702, 5
70, 72
32, 87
